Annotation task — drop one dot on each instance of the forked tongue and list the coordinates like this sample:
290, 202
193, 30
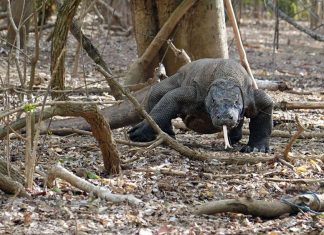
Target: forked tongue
227, 144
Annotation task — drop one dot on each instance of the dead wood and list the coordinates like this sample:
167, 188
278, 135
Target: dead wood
124, 114
58, 171
265, 209
169, 171
136, 70
180, 54
282, 15
272, 85
100, 129
286, 134
11, 182
13, 173
284, 105
10, 186
300, 130
238, 40
297, 181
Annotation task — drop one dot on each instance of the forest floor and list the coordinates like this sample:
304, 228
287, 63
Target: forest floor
169, 200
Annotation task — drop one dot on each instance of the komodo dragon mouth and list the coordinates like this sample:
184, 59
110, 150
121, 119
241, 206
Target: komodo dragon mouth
225, 104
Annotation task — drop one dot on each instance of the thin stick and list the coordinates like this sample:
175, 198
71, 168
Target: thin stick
293, 139
238, 40
297, 181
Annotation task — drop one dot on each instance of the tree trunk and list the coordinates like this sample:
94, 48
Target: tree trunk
201, 33
316, 13
21, 10
146, 27
62, 27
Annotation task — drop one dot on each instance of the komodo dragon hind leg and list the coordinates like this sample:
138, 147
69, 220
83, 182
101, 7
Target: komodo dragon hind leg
168, 107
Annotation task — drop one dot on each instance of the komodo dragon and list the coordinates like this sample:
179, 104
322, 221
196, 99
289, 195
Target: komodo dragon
207, 94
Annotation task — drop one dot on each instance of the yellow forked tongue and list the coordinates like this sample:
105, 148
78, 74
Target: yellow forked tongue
227, 144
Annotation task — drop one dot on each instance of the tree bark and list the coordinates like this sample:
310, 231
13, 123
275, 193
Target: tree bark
205, 20
201, 33
91, 50
145, 28
265, 209
21, 10
100, 130
58, 171
60, 33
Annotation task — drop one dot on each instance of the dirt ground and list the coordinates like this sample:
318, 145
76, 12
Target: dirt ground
169, 200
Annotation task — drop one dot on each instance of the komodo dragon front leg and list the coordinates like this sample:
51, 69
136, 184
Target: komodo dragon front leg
261, 124
168, 107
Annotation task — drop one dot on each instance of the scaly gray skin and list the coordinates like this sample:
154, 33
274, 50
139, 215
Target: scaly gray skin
207, 94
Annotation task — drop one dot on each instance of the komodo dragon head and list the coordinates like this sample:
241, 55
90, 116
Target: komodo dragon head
224, 103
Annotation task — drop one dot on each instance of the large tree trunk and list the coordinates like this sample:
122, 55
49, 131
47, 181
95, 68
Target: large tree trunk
201, 32
145, 28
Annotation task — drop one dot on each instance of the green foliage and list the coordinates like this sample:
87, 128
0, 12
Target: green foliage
290, 7
29, 108
56, 190
92, 175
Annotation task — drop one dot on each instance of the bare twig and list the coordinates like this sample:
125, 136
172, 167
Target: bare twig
239, 44
297, 181
283, 105
293, 139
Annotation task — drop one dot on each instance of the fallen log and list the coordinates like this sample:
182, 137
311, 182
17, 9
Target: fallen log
118, 115
265, 209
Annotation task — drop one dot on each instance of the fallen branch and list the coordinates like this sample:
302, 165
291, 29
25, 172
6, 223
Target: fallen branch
13, 173
284, 105
293, 139
265, 209
297, 181
169, 171
272, 85
10, 186
11, 182
58, 171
